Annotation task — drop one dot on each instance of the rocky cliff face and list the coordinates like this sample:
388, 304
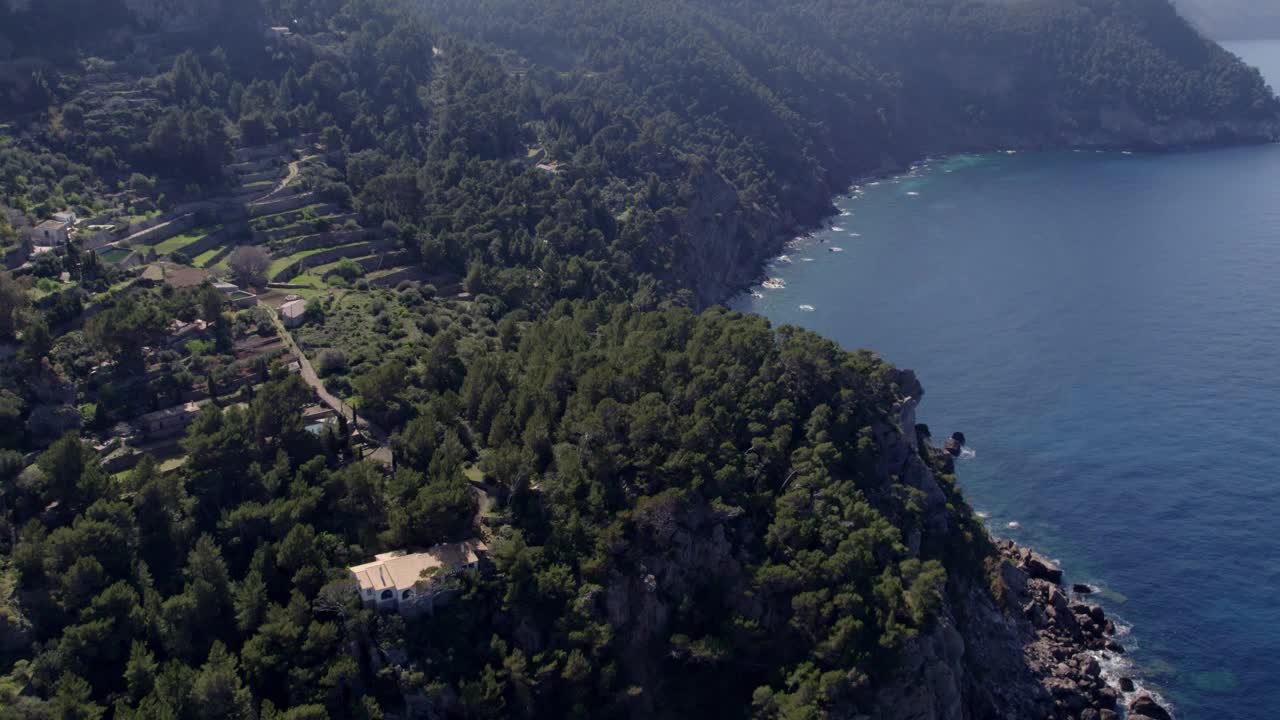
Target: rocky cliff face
1010, 643
1014, 622
728, 242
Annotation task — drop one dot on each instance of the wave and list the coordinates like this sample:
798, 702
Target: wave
774, 284
913, 193
784, 259
807, 308
1014, 525
968, 453
837, 228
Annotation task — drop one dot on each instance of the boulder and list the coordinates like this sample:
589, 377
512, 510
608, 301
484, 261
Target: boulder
1115, 647
1144, 706
1098, 614
1108, 715
1041, 569
1092, 668
1126, 684
1081, 589
954, 444
922, 433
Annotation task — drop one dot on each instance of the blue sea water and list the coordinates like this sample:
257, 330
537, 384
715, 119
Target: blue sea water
1105, 329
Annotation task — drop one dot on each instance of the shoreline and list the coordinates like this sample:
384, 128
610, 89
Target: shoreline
1072, 647
858, 181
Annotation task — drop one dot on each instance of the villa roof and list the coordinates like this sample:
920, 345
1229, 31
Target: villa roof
403, 570
293, 308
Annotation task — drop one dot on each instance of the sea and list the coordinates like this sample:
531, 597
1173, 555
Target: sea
1105, 330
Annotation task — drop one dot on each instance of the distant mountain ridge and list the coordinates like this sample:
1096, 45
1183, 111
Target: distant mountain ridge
1233, 19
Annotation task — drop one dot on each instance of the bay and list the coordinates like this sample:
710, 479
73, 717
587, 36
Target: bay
1105, 329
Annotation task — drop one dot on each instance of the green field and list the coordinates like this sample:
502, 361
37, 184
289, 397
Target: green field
281, 263
259, 223
115, 255
203, 259
178, 242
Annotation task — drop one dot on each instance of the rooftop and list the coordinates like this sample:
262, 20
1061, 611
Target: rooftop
170, 412
52, 225
401, 570
293, 309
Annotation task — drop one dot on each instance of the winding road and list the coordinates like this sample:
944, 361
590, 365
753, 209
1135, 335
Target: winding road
382, 454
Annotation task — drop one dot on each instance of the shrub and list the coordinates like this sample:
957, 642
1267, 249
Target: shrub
331, 361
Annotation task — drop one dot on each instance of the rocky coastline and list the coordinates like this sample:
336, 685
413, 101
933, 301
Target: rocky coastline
1069, 641
1027, 645
1014, 640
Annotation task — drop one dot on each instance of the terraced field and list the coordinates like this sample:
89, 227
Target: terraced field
178, 242
280, 264
206, 258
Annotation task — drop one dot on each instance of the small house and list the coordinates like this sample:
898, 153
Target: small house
180, 332
51, 233
167, 423
410, 583
293, 312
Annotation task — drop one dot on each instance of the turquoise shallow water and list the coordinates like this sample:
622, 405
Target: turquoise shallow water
1105, 329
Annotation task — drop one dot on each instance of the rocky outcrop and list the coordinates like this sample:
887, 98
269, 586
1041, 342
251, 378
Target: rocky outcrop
1018, 625
1145, 707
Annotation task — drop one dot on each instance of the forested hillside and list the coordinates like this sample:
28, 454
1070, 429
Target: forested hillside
496, 222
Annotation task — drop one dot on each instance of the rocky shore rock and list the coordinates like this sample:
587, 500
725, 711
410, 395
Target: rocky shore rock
1064, 639
1144, 707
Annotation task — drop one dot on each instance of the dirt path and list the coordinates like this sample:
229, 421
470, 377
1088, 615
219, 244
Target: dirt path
380, 455
295, 169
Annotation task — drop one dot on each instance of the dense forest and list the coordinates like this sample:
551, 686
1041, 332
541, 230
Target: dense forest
688, 512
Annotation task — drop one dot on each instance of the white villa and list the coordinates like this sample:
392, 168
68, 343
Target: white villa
293, 313
413, 582
54, 232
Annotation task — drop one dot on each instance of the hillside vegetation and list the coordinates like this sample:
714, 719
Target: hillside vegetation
690, 513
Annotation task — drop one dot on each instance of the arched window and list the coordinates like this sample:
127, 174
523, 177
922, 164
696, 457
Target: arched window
387, 594
406, 594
